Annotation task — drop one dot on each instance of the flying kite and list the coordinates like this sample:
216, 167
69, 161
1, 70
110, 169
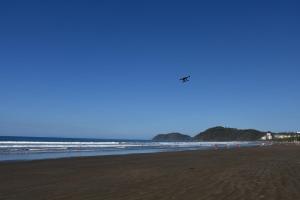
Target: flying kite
185, 79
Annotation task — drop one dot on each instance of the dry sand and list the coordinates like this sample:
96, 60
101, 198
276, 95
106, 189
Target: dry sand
245, 173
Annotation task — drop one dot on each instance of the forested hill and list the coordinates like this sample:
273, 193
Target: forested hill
172, 137
220, 133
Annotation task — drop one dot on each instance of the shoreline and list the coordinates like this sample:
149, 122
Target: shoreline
79, 154
125, 154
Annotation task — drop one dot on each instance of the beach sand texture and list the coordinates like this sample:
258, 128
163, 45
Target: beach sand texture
245, 173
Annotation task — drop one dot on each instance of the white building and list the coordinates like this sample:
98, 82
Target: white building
268, 136
282, 136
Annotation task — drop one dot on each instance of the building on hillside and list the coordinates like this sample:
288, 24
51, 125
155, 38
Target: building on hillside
268, 136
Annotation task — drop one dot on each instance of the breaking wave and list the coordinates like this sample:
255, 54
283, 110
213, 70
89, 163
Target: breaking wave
10, 149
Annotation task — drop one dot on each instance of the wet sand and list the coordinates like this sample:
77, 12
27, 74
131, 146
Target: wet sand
245, 173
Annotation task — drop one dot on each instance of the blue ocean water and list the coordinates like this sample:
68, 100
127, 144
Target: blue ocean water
33, 148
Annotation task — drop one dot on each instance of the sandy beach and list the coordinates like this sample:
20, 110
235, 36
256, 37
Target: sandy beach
246, 173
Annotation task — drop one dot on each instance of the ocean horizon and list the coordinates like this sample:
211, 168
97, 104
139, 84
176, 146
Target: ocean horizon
18, 148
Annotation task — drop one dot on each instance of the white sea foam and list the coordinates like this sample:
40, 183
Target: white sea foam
42, 142
30, 145
30, 150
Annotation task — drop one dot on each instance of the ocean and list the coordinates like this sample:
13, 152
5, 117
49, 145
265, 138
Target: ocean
36, 148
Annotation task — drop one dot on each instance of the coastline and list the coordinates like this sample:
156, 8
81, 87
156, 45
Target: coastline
269, 172
39, 150
211, 148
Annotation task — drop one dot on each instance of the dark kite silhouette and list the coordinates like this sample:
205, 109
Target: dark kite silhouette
185, 79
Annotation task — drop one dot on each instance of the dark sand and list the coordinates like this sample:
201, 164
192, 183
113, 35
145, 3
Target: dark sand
246, 173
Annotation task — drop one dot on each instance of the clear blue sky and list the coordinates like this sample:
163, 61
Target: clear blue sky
110, 69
